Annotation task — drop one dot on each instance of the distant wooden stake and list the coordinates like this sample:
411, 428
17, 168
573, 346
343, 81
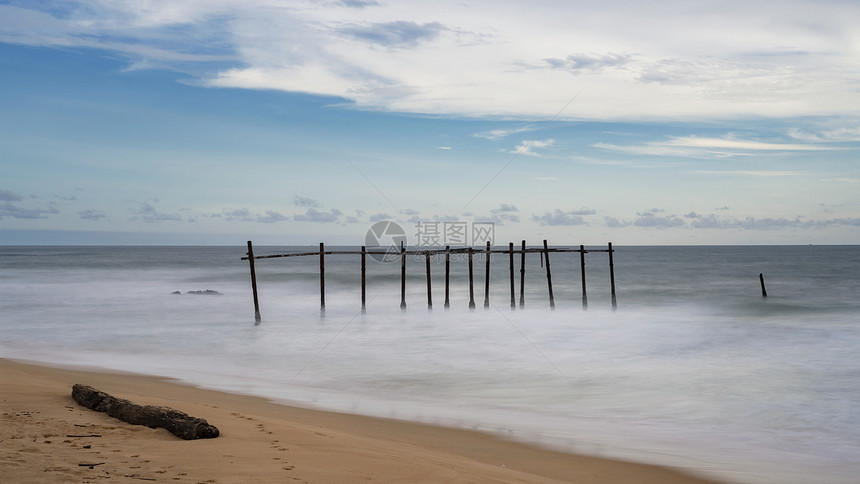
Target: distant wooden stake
763, 290
511, 265
487, 280
363, 279
471, 283
548, 275
612, 278
257, 317
447, 276
523, 276
582, 271
429, 290
402, 275
322, 278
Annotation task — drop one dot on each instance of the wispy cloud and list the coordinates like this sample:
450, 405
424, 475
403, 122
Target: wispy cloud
755, 173
92, 214
560, 217
528, 147
9, 209
146, 212
394, 34
842, 134
505, 208
356, 50
313, 215
9, 196
654, 218
306, 202
495, 134
580, 63
271, 217
694, 146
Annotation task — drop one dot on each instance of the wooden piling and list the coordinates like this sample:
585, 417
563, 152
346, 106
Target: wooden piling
447, 276
257, 317
523, 276
487, 280
402, 275
612, 278
363, 279
548, 275
511, 265
322, 278
471, 284
763, 290
582, 272
429, 290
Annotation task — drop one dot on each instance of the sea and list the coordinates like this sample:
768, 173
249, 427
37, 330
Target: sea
694, 368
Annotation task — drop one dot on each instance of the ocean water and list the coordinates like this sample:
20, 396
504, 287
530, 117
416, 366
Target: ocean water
694, 369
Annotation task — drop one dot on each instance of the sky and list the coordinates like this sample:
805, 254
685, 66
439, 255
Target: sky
299, 122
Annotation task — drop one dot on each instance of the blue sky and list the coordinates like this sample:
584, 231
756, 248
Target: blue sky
215, 121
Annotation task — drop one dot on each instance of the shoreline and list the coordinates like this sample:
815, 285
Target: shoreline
261, 441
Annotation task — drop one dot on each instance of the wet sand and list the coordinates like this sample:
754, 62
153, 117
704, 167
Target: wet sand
46, 437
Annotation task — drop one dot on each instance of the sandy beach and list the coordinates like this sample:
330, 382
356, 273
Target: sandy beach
46, 437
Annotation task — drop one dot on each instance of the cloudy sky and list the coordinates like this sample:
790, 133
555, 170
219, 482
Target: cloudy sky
294, 122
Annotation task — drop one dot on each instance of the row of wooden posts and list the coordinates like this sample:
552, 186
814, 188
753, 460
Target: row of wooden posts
447, 251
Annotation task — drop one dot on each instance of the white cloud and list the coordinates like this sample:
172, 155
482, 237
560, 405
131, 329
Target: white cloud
9, 196
694, 146
495, 134
92, 214
146, 212
842, 134
528, 147
750, 173
313, 215
488, 57
505, 208
9, 209
560, 217
300, 201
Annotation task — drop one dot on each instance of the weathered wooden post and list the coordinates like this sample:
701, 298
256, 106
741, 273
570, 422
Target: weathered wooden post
447, 276
429, 290
582, 272
363, 279
471, 284
763, 290
402, 275
511, 265
523, 276
257, 317
487, 280
612, 278
322, 278
548, 275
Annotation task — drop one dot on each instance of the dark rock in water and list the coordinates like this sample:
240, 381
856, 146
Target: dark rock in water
178, 423
208, 292
176, 292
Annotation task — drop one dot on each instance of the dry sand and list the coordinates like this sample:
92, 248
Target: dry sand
45, 437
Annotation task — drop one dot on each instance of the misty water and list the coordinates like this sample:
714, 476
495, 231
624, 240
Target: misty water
694, 369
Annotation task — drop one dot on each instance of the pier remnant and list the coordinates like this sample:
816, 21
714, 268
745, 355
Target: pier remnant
548, 275
428, 253
257, 317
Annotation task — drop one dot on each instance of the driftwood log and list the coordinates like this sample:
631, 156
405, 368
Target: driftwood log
178, 423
